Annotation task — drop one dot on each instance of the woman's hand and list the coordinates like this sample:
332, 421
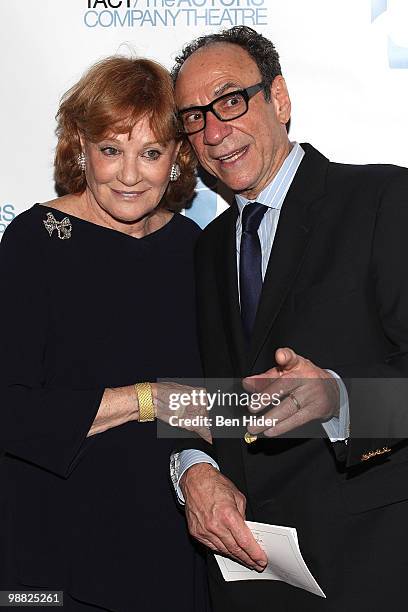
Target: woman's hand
182, 406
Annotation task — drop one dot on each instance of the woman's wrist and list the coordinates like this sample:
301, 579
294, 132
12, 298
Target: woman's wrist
146, 403
118, 406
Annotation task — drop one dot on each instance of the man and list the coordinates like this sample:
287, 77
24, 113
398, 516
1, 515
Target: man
299, 280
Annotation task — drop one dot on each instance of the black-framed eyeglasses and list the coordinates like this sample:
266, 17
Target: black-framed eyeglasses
227, 107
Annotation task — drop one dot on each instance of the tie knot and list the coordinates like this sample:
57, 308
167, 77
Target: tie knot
252, 216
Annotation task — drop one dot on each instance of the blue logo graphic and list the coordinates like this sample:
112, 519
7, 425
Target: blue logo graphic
397, 55
7, 214
171, 13
204, 207
378, 7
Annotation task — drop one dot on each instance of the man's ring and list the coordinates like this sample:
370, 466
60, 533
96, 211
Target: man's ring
295, 401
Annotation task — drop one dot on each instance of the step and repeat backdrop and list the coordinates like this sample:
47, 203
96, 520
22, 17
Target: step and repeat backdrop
345, 62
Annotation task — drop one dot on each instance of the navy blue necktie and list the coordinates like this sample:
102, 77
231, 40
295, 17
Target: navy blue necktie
250, 265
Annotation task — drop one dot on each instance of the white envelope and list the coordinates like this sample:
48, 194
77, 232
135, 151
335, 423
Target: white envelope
285, 561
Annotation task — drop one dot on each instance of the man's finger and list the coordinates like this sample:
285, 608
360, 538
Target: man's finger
253, 560
206, 543
279, 415
289, 424
276, 390
218, 547
246, 541
259, 382
286, 359
234, 539
237, 538
214, 543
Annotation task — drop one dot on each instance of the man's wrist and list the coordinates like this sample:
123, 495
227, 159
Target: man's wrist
198, 470
181, 461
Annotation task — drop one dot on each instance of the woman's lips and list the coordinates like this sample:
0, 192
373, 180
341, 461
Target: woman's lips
128, 195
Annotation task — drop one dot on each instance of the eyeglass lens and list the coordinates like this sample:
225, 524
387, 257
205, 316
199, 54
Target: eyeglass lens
227, 107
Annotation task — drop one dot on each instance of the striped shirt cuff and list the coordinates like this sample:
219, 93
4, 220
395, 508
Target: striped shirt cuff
181, 462
338, 428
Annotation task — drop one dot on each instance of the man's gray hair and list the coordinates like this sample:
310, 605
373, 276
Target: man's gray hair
261, 50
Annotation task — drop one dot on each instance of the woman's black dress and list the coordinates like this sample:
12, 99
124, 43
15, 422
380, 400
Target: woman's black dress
94, 516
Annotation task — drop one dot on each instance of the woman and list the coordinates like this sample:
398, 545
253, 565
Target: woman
98, 294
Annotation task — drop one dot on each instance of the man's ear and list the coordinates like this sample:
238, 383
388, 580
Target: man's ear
280, 99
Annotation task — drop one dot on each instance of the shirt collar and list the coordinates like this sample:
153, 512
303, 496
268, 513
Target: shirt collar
271, 196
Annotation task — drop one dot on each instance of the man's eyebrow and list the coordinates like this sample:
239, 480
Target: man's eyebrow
218, 91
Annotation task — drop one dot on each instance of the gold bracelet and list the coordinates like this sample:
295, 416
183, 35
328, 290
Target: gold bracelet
146, 404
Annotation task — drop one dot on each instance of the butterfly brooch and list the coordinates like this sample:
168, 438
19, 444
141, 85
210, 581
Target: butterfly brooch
64, 227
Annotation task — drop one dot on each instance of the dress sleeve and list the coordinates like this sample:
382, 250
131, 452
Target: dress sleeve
39, 423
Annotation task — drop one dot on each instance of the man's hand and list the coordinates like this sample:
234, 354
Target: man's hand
215, 511
307, 393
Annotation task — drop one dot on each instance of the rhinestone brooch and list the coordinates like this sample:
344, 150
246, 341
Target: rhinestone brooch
64, 227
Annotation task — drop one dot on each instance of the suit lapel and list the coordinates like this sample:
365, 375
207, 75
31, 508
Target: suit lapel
292, 237
228, 289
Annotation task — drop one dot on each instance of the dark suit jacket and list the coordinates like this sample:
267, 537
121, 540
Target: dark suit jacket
336, 292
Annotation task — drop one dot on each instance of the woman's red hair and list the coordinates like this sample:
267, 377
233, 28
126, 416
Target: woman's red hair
111, 97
